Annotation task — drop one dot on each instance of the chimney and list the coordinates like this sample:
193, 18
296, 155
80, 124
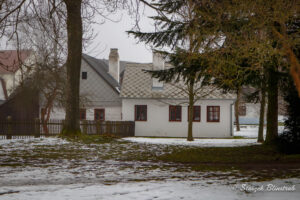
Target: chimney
158, 64
158, 61
114, 64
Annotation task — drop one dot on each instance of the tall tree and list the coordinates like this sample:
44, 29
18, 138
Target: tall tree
260, 137
74, 29
178, 29
260, 25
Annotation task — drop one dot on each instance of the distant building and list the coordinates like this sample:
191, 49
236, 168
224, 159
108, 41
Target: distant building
12, 66
249, 111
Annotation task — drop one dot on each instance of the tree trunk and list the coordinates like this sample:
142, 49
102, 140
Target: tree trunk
74, 29
236, 109
272, 113
44, 123
191, 113
260, 137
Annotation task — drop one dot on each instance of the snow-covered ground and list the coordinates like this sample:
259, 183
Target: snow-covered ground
52, 168
249, 132
169, 189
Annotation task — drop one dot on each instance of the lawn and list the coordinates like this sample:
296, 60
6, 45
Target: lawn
110, 168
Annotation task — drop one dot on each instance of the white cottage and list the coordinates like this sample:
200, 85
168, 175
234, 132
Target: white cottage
161, 110
100, 87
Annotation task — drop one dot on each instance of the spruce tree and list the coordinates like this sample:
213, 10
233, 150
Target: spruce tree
180, 28
289, 141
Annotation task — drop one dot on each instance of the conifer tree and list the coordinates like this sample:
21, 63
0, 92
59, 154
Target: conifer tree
289, 141
181, 29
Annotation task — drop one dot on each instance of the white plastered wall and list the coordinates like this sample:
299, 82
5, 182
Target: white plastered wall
158, 124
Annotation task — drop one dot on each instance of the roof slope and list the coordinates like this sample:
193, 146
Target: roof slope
10, 61
101, 67
138, 84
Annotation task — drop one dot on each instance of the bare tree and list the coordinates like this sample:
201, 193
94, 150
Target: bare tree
76, 15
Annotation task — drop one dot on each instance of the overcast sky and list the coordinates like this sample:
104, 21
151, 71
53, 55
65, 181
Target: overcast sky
113, 35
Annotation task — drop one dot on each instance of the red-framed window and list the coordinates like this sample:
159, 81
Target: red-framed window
99, 114
196, 114
82, 114
140, 112
175, 113
213, 113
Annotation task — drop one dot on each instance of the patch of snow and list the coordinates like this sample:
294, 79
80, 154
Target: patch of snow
251, 131
196, 142
34, 141
248, 131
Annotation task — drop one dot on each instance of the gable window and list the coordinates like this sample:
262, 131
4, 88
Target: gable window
242, 110
175, 113
82, 114
84, 75
196, 113
140, 112
213, 113
99, 114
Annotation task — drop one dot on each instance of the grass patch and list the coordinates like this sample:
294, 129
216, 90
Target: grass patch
95, 139
233, 155
239, 137
250, 163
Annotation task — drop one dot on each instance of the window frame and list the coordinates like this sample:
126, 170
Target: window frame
80, 111
207, 114
194, 113
84, 77
99, 109
135, 113
174, 107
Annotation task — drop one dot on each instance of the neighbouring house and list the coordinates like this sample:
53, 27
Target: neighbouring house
12, 67
249, 112
161, 109
100, 83
21, 104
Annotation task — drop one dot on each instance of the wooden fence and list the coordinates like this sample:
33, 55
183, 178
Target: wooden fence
23, 129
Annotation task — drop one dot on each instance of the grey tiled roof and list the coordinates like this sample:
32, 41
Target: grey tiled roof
138, 84
101, 67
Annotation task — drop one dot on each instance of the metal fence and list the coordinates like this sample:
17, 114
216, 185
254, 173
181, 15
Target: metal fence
23, 129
